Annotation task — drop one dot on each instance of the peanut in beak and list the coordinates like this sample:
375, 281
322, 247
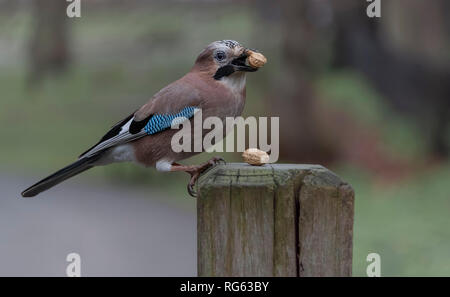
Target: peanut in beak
255, 59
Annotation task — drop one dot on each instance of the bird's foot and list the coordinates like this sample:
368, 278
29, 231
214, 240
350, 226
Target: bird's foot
196, 170
199, 169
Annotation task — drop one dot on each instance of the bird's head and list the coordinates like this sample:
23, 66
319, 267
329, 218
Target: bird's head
223, 58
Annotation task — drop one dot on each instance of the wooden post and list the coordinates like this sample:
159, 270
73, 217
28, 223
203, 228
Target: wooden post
274, 220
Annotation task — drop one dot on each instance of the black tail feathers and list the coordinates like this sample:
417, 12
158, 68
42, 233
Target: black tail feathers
73, 169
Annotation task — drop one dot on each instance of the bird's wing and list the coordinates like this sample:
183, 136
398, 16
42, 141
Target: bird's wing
172, 105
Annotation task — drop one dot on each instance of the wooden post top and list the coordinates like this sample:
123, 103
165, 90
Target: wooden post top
276, 174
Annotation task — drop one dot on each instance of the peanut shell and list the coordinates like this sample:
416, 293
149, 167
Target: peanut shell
255, 157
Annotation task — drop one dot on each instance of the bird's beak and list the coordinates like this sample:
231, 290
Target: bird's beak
249, 61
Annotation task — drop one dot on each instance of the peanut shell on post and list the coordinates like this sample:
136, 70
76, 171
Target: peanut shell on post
255, 157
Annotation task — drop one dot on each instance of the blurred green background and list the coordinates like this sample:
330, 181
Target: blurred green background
367, 98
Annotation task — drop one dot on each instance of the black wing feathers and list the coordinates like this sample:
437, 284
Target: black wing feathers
137, 126
115, 130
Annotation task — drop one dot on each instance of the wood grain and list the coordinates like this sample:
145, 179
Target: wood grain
274, 220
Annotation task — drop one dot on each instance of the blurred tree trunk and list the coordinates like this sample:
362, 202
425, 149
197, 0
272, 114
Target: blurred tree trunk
403, 55
302, 57
48, 49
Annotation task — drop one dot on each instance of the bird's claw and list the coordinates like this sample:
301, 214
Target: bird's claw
190, 189
216, 161
195, 174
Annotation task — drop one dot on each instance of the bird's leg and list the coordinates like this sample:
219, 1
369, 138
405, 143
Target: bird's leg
195, 171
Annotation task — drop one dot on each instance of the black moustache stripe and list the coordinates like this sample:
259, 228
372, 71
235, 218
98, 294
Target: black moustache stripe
223, 71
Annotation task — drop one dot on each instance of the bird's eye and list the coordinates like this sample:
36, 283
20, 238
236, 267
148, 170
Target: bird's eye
220, 56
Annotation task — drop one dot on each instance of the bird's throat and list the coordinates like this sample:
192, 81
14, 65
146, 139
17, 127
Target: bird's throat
235, 82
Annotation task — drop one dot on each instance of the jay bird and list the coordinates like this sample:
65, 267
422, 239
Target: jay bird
215, 85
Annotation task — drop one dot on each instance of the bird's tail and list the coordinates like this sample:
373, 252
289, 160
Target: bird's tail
73, 169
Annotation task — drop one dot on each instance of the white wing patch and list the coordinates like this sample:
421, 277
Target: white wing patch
124, 136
